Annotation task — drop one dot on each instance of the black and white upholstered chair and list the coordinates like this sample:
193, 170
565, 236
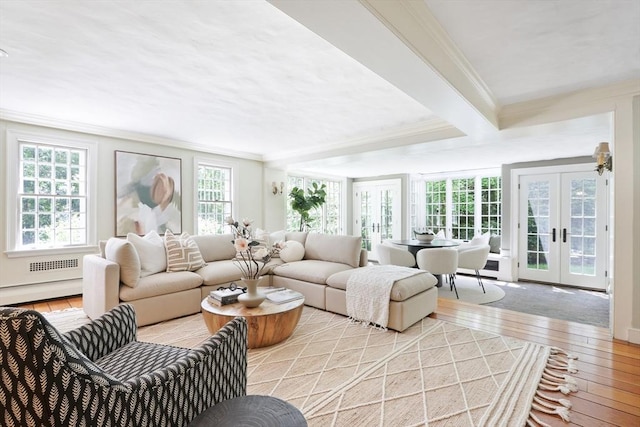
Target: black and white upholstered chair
100, 375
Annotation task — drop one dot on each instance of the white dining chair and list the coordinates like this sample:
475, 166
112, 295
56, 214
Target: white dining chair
439, 261
390, 255
474, 258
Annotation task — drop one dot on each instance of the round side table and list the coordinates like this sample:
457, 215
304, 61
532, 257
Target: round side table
254, 410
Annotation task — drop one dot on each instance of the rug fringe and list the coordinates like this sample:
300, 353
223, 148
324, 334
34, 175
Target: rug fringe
366, 324
551, 380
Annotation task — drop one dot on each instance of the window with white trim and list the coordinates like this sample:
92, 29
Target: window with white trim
52, 208
460, 206
214, 198
326, 219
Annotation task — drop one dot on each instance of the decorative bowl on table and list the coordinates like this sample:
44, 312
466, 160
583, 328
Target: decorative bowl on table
426, 236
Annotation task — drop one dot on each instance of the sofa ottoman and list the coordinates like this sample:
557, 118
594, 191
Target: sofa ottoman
412, 298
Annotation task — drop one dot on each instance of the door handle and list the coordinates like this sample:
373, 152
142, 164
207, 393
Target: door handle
553, 235
564, 235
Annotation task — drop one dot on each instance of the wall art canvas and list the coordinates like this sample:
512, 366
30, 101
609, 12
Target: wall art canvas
148, 193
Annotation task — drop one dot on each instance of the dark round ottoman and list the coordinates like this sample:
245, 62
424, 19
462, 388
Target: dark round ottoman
255, 411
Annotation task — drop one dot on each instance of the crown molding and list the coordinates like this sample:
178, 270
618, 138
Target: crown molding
447, 60
67, 125
568, 105
428, 130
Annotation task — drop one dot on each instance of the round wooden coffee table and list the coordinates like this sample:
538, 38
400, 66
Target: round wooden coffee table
268, 323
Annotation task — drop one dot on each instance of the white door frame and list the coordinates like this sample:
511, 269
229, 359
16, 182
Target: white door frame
395, 184
514, 254
559, 241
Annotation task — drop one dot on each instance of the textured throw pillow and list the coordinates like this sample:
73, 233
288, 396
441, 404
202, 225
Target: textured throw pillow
124, 253
495, 243
150, 248
292, 251
182, 252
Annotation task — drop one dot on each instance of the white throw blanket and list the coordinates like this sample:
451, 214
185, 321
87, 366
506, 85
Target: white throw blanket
369, 292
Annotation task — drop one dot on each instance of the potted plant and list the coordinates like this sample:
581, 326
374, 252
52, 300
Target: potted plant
302, 202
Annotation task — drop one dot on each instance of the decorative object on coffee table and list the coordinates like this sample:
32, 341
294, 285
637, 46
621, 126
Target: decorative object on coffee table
250, 260
252, 298
256, 411
268, 324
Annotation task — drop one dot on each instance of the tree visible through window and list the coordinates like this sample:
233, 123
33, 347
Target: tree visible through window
327, 219
462, 206
214, 199
52, 196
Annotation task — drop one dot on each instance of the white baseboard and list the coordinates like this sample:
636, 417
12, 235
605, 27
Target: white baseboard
634, 335
40, 291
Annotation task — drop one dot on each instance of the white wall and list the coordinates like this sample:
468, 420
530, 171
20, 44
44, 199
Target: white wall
275, 205
16, 279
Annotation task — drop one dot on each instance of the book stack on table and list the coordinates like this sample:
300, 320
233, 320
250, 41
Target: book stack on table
284, 295
224, 296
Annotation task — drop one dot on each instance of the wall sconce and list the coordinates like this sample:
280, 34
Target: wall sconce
274, 188
604, 158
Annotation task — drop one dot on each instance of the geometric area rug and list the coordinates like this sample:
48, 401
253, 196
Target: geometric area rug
432, 374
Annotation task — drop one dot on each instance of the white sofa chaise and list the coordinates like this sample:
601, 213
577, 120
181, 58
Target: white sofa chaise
116, 277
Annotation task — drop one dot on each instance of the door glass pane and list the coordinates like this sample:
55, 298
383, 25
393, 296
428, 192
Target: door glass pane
366, 220
583, 226
386, 213
538, 225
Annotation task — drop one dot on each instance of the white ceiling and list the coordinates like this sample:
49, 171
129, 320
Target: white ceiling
244, 78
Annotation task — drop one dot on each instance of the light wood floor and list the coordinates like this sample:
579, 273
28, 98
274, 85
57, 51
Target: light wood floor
609, 370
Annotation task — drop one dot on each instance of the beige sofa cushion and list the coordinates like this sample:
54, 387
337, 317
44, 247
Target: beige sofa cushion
401, 290
182, 252
161, 284
310, 270
219, 272
334, 248
151, 251
215, 247
124, 253
299, 236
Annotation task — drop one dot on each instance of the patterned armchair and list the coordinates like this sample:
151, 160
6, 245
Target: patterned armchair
100, 375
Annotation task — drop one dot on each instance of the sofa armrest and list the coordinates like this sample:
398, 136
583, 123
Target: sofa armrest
100, 285
364, 258
105, 334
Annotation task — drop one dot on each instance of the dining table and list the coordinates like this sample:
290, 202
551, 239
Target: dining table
414, 245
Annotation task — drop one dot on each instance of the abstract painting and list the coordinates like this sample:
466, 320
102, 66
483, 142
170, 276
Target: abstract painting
148, 193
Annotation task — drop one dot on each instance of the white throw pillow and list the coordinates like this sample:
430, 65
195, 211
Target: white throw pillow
292, 251
277, 236
183, 253
152, 253
482, 239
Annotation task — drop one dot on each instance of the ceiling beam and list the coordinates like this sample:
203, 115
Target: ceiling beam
402, 42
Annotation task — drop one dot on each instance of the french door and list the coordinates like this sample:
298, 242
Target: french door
563, 229
377, 212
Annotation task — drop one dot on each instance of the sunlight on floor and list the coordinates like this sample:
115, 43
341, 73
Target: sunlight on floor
597, 294
562, 290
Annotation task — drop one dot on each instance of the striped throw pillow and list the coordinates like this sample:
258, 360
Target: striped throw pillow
182, 252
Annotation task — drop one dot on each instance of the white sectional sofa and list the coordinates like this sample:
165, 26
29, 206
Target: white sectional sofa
118, 276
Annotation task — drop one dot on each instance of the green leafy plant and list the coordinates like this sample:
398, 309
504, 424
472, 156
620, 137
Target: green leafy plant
302, 202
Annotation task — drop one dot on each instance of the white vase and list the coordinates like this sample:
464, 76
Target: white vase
252, 298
